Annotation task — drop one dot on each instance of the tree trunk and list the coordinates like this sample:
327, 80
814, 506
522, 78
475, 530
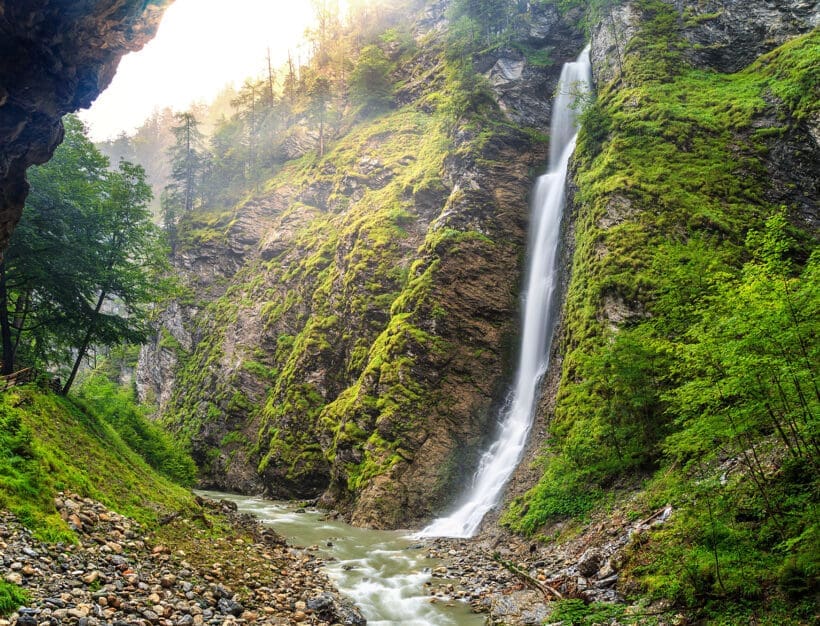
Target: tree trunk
83, 347
270, 81
21, 308
5, 325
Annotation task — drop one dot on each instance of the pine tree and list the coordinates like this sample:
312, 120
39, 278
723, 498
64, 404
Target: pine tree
186, 157
320, 97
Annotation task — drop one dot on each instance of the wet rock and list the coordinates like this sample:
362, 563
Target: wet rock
725, 35
590, 563
230, 607
320, 604
26, 619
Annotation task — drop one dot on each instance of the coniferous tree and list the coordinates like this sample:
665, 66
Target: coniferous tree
319, 103
186, 157
370, 85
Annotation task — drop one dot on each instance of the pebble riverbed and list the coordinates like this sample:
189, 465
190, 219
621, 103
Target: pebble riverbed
117, 574
244, 572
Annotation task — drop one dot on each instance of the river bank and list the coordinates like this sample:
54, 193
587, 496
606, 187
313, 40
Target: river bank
232, 567
496, 578
221, 568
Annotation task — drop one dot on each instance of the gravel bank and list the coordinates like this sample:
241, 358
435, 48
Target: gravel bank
222, 568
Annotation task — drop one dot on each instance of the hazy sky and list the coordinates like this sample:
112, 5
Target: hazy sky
201, 46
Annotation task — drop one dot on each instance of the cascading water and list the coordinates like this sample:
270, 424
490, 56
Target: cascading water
500, 460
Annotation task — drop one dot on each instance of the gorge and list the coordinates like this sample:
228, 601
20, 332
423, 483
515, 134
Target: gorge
353, 324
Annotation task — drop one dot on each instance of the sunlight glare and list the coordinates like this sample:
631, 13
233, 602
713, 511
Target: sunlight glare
201, 46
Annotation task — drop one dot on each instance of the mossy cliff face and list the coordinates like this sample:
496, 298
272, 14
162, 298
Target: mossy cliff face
55, 59
692, 281
350, 329
702, 130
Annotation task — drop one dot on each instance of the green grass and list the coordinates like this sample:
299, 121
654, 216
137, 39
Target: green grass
99, 397
47, 444
579, 613
12, 597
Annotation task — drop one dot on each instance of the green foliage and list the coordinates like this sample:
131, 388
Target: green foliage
47, 444
115, 405
536, 57
560, 493
749, 389
12, 597
86, 240
579, 613
792, 73
370, 84
22, 483
478, 23
187, 160
595, 126
261, 371
44, 275
750, 367
723, 551
469, 92
691, 333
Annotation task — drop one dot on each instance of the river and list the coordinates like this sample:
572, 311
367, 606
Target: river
386, 573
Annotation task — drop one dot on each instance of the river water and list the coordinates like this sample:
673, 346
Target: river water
383, 572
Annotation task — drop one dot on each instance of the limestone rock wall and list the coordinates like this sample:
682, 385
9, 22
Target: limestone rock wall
724, 35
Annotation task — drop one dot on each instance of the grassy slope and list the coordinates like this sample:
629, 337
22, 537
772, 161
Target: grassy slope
48, 445
674, 226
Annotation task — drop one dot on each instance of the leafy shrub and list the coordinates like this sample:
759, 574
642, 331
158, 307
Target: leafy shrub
579, 613
370, 83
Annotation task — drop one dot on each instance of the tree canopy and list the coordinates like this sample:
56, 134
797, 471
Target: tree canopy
83, 268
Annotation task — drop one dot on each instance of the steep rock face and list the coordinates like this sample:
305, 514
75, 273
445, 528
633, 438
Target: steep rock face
781, 136
727, 36
358, 345
56, 57
724, 35
524, 90
700, 132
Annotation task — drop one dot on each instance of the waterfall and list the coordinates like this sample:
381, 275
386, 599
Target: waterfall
500, 460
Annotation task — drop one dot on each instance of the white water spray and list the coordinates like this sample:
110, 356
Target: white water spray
500, 460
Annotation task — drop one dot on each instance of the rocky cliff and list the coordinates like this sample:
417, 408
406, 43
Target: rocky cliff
691, 258
350, 330
54, 59
647, 178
